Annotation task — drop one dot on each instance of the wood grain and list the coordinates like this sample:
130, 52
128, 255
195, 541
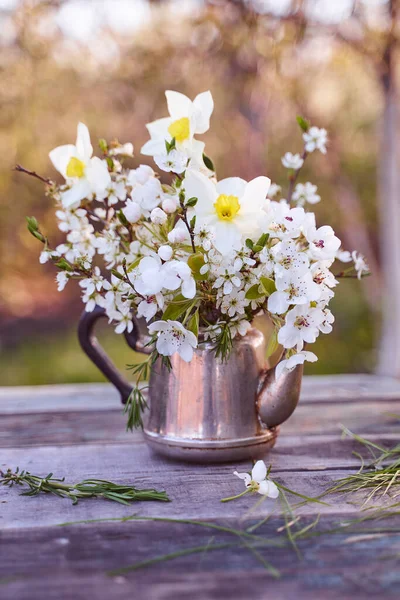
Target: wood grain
78, 431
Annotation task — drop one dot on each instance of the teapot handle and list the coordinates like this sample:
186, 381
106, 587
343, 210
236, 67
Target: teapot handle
97, 355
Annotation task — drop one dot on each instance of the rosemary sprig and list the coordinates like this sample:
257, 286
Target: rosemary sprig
376, 479
88, 488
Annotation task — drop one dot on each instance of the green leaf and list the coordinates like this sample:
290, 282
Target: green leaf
196, 262
134, 264
103, 145
63, 265
110, 163
272, 345
208, 162
304, 124
170, 145
249, 243
191, 202
263, 240
176, 308
117, 274
122, 218
33, 225
193, 324
192, 222
253, 293
267, 285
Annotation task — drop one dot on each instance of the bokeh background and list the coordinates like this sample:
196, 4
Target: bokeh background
108, 62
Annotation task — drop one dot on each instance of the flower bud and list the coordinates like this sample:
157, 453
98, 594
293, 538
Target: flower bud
165, 252
169, 205
158, 216
132, 212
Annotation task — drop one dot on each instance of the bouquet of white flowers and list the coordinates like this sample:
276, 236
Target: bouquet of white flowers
196, 254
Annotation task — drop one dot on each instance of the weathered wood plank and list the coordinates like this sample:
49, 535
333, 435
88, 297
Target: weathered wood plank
97, 397
80, 557
195, 490
85, 427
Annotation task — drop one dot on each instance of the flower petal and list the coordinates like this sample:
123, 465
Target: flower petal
76, 193
203, 105
61, 156
83, 145
97, 175
199, 186
232, 186
259, 471
227, 237
255, 193
179, 105
245, 476
186, 352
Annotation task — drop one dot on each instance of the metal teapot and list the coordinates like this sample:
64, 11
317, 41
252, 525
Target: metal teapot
206, 410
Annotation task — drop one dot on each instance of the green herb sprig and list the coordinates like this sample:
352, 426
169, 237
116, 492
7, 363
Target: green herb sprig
88, 488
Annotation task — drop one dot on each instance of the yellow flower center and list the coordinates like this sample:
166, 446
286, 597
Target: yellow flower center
180, 129
75, 168
227, 207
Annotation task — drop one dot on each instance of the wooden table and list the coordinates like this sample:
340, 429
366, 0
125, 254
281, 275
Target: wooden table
78, 432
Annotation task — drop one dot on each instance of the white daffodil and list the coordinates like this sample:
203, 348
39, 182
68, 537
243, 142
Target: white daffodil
257, 482
172, 337
85, 174
232, 208
290, 363
186, 118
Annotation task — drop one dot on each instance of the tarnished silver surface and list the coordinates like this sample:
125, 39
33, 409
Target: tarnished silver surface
277, 399
208, 411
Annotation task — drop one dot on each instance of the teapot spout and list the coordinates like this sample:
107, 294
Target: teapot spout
278, 398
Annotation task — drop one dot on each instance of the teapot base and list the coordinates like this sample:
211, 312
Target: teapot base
212, 451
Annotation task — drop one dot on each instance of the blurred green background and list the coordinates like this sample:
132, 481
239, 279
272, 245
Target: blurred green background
107, 63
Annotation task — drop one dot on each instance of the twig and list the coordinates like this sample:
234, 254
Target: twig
21, 169
294, 176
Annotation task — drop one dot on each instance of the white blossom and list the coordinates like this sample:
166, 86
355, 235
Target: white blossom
62, 280
175, 161
301, 325
122, 150
323, 242
315, 139
360, 264
305, 192
172, 337
258, 481
292, 161
290, 363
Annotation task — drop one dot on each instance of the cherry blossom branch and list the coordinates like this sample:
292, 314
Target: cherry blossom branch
293, 177
22, 169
